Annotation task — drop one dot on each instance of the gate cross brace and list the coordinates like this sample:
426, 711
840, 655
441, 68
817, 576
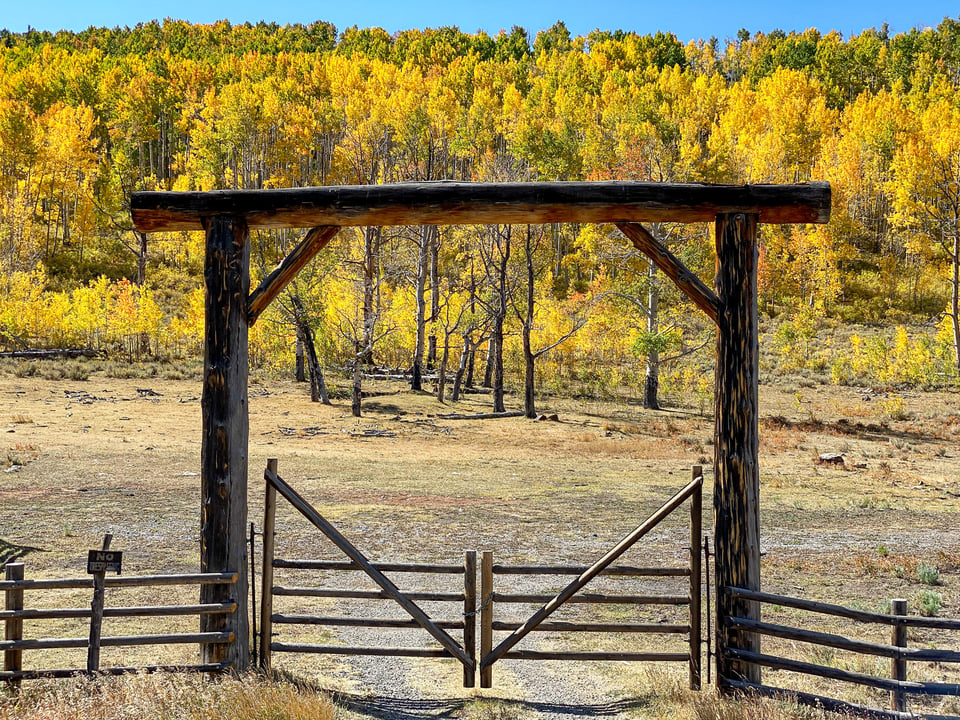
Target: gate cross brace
590, 573
350, 550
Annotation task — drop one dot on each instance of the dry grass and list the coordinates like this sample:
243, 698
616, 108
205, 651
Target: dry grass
163, 696
100, 457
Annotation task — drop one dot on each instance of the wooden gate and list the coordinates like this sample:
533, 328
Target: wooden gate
572, 594
466, 597
464, 652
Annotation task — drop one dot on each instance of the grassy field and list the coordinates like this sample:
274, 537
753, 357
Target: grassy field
121, 455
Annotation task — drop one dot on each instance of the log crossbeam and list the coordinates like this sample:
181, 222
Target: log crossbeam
458, 203
274, 283
691, 286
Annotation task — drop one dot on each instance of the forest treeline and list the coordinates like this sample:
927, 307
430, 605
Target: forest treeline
88, 117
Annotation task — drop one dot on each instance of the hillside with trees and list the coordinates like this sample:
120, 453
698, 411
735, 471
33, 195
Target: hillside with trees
87, 118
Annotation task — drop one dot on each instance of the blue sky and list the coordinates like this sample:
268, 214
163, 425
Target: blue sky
688, 19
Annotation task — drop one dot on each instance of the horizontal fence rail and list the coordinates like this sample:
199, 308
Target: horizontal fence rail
898, 686
15, 585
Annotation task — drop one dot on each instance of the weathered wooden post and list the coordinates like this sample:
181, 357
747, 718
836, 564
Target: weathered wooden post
898, 666
13, 659
736, 484
223, 473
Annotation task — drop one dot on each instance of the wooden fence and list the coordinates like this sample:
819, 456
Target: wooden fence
897, 651
16, 613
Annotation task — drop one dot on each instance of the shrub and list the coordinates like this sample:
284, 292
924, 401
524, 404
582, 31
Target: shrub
930, 602
928, 575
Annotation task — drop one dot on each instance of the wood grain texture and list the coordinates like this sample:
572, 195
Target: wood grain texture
736, 484
687, 281
223, 455
274, 283
454, 203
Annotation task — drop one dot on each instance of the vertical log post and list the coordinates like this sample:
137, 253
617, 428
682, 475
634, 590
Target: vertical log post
898, 699
266, 596
696, 528
736, 482
470, 615
486, 615
13, 659
223, 463
96, 613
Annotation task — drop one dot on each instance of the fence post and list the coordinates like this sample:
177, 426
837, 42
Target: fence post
696, 522
13, 659
898, 699
486, 615
470, 616
266, 596
96, 613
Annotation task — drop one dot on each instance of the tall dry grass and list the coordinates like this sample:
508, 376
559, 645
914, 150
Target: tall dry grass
165, 696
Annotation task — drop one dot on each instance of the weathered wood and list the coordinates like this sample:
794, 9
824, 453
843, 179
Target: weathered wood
450, 203
337, 538
96, 614
621, 656
223, 454
481, 416
843, 643
566, 626
363, 594
470, 616
125, 581
386, 623
840, 611
426, 568
213, 638
615, 570
736, 484
269, 562
487, 598
898, 665
75, 672
696, 529
353, 650
819, 701
687, 281
135, 611
608, 559
596, 598
13, 630
274, 283
778, 663
46, 354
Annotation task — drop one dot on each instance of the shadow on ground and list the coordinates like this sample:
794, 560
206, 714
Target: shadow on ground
9, 551
388, 708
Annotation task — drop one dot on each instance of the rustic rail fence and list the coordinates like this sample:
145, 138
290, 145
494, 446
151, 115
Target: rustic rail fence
897, 651
16, 613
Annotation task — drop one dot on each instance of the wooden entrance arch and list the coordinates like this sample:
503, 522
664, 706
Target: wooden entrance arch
227, 216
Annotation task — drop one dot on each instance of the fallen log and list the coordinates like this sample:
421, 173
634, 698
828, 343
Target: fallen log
481, 416
46, 354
